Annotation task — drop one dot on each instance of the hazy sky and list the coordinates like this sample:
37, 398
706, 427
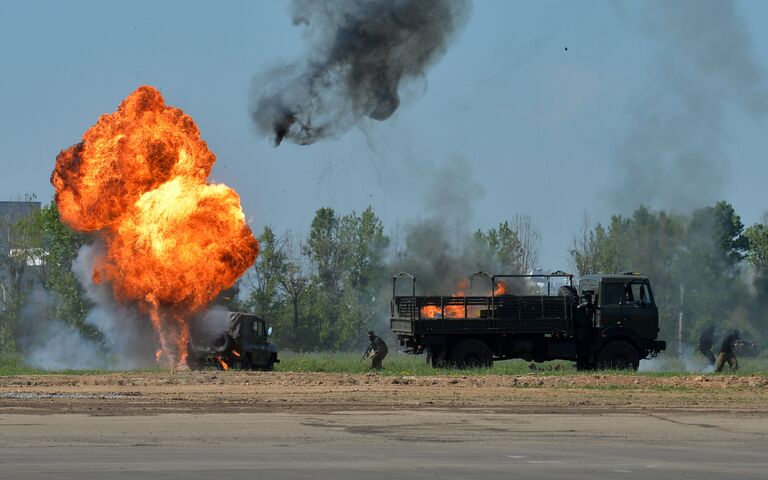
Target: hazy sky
646, 91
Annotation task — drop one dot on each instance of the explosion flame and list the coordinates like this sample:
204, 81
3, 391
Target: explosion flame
138, 180
457, 311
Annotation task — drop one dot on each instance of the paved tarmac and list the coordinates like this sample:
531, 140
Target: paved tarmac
384, 445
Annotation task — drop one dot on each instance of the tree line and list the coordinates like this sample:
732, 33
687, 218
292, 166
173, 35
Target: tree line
324, 289
705, 266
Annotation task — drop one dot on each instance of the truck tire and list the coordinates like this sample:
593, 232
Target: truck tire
222, 344
472, 354
436, 357
618, 355
268, 367
584, 365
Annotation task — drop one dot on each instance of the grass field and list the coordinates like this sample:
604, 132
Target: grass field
402, 364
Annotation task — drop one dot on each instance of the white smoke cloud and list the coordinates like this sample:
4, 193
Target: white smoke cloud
128, 341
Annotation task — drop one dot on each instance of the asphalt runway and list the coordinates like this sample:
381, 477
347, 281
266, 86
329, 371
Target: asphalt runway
384, 445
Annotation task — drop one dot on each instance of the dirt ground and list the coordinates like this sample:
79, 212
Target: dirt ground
219, 392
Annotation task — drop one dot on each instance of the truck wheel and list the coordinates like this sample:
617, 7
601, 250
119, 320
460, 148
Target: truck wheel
584, 365
618, 355
436, 358
222, 344
472, 354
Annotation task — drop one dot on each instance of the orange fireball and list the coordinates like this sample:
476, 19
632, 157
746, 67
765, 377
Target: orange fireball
174, 241
451, 311
457, 311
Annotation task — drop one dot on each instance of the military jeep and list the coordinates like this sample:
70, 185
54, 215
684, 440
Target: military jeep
244, 345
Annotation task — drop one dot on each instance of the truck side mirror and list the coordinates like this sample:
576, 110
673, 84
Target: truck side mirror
269, 331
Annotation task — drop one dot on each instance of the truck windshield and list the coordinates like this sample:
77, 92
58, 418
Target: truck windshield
639, 294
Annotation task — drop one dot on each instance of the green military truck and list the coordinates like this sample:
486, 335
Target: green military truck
610, 321
244, 345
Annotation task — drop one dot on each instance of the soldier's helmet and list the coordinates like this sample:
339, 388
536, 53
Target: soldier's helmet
736, 333
371, 334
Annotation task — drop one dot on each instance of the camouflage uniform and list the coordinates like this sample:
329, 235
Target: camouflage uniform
726, 353
379, 349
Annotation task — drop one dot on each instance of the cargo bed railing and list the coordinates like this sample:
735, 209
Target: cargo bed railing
492, 307
491, 279
461, 308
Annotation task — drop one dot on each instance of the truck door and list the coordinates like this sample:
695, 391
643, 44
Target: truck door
609, 311
638, 309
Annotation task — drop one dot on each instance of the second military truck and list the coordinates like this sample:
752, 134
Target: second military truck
610, 321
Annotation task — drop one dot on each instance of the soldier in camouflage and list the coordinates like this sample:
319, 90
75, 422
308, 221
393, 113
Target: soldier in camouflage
377, 349
726, 353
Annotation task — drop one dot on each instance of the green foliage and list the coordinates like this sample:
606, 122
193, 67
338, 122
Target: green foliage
321, 292
37, 252
694, 263
504, 245
265, 296
400, 364
61, 246
757, 255
397, 364
512, 247
757, 236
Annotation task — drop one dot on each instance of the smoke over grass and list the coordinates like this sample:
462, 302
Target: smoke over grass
360, 52
672, 156
127, 338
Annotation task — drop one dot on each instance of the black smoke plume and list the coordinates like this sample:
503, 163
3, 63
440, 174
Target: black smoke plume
361, 52
673, 155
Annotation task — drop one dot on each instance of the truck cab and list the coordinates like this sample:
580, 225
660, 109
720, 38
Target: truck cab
245, 344
624, 309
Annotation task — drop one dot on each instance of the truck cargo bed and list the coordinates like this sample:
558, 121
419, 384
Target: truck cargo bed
413, 315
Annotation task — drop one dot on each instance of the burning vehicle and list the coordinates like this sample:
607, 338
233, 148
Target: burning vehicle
244, 345
166, 239
610, 321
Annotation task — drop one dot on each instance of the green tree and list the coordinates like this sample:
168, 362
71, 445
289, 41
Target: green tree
323, 248
693, 261
757, 236
346, 255
20, 256
266, 298
39, 250
61, 246
365, 245
504, 245
757, 255
513, 245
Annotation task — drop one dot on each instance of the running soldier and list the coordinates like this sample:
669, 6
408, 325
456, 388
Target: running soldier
379, 350
726, 353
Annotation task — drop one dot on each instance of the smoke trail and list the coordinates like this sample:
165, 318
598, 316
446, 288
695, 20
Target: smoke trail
672, 156
362, 50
